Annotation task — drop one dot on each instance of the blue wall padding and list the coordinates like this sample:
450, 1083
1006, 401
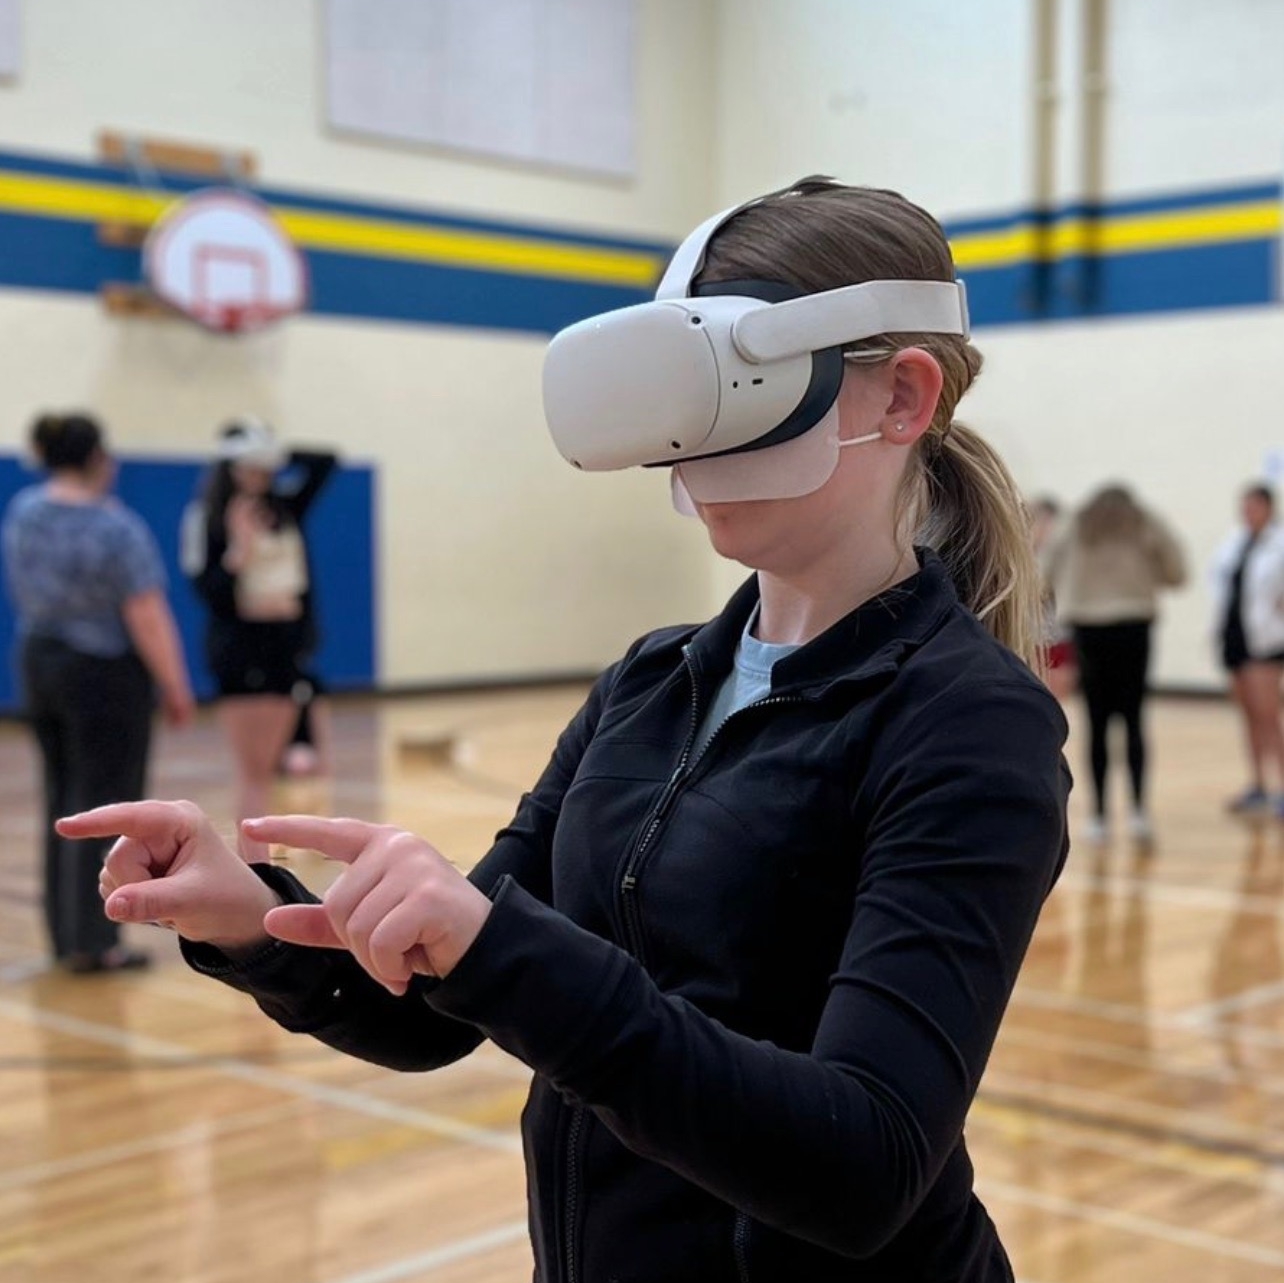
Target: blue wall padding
340, 532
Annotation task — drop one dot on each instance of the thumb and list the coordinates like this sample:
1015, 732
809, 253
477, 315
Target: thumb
153, 901
302, 924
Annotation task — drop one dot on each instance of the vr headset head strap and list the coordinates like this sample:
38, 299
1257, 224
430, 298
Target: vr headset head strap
814, 322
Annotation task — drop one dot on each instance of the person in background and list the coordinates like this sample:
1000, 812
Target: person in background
1248, 619
1060, 669
1106, 571
96, 640
243, 548
756, 925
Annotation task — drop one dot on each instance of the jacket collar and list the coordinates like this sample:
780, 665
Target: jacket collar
874, 637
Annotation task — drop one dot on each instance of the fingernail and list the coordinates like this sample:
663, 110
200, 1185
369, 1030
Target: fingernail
116, 911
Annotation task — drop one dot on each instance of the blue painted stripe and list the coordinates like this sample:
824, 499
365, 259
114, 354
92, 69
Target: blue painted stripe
41, 252
58, 254
392, 290
1200, 198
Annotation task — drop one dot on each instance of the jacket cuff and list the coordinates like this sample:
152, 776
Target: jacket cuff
544, 989
276, 969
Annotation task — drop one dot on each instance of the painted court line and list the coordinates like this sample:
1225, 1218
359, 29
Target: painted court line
1189, 1122
1101, 1137
24, 969
195, 1134
1177, 893
448, 1254
1140, 1018
1131, 1223
1208, 1012
1152, 1063
340, 1097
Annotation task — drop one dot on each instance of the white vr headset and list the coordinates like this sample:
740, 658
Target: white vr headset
736, 385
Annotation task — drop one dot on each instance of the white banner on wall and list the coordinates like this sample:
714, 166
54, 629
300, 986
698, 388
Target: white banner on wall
550, 82
10, 38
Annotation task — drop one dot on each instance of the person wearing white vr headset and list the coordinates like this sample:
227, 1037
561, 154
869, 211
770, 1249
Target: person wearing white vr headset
756, 925
243, 549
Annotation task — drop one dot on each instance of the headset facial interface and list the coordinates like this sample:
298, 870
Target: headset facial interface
736, 383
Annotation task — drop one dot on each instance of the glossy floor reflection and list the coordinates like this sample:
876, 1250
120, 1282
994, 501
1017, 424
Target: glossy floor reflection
1131, 1125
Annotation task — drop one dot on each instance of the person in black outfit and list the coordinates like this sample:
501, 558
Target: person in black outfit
755, 946
1248, 577
244, 550
96, 641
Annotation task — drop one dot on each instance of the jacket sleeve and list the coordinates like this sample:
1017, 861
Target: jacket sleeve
326, 993
966, 839
316, 467
201, 558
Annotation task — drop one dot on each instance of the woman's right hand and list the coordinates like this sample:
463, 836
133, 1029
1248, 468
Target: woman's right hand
171, 867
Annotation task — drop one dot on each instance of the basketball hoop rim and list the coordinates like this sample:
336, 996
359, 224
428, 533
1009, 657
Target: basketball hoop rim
236, 319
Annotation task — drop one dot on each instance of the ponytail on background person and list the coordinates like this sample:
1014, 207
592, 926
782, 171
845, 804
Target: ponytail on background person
957, 496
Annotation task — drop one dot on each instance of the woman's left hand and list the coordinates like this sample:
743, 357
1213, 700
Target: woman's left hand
400, 907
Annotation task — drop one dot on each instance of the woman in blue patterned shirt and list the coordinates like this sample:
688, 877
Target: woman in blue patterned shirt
95, 634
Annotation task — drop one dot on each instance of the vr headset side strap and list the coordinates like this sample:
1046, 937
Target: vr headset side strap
836, 317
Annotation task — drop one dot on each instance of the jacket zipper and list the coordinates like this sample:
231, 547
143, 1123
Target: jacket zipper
573, 1190
740, 1245
632, 920
628, 882
631, 912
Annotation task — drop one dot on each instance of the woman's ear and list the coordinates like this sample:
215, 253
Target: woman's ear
916, 382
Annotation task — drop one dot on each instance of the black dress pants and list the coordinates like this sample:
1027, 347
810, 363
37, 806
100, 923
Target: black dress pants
92, 719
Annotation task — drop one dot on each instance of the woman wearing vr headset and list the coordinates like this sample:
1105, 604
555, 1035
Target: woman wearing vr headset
244, 550
756, 925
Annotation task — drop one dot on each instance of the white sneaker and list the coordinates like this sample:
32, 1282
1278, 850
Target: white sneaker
1096, 829
1139, 828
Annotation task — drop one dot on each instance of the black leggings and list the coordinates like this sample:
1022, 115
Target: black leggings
92, 718
1113, 659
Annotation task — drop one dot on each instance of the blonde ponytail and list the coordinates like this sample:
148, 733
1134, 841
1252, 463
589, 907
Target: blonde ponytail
973, 516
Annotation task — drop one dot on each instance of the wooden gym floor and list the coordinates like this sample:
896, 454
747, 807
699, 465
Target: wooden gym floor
1131, 1125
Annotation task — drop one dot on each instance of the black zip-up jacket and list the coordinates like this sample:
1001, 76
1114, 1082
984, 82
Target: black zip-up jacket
758, 988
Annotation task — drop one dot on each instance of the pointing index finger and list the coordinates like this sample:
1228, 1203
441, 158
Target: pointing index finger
336, 839
145, 821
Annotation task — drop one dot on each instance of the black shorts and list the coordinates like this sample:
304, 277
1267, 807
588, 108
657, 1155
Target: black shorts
261, 658
1235, 654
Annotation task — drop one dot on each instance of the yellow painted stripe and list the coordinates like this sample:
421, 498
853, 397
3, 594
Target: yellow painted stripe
351, 234
1128, 233
1120, 234
1010, 245
490, 252
83, 202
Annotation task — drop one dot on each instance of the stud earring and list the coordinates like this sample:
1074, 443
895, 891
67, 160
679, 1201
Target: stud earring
900, 427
